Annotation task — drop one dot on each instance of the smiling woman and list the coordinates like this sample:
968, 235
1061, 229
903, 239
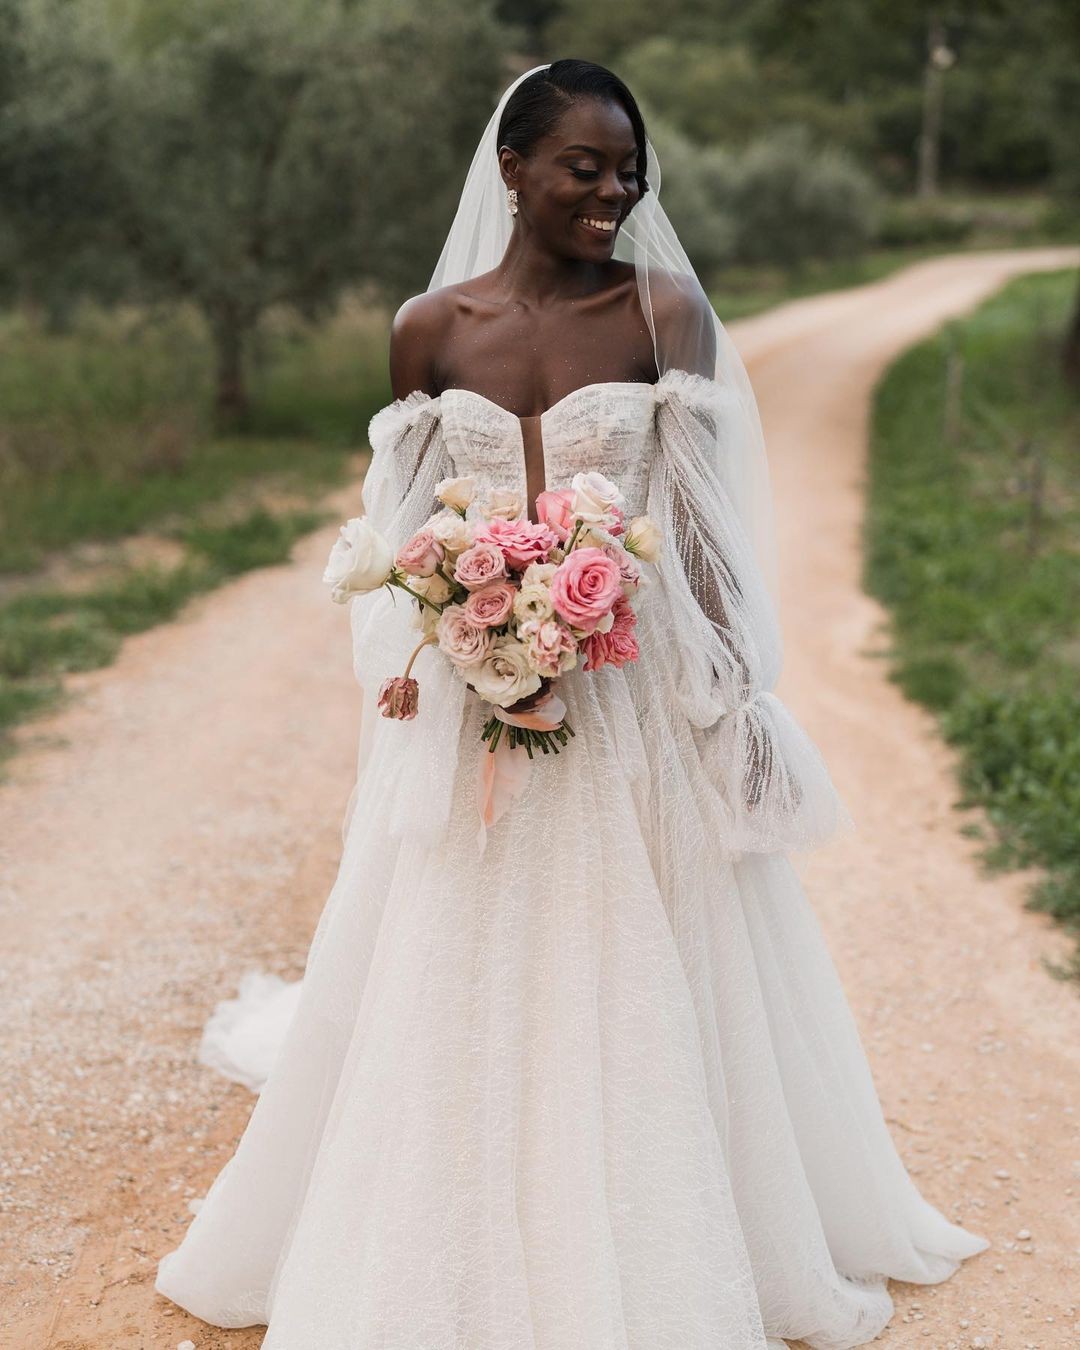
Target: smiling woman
573, 159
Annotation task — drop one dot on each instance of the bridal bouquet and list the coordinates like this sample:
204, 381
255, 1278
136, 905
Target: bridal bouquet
511, 603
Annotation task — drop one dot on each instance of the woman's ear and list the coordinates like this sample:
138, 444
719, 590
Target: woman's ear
509, 166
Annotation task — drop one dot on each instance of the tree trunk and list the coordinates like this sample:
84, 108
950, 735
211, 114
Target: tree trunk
1070, 352
933, 108
232, 404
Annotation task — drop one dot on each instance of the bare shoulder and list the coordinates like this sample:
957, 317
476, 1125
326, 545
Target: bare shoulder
414, 341
424, 327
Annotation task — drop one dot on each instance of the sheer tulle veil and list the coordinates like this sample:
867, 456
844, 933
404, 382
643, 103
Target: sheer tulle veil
695, 341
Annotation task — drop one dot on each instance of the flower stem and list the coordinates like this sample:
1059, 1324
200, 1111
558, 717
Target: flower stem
396, 580
419, 648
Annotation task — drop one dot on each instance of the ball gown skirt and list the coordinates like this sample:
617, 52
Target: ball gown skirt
596, 1089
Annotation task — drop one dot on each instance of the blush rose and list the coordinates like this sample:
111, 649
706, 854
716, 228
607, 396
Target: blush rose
479, 565
420, 555
491, 605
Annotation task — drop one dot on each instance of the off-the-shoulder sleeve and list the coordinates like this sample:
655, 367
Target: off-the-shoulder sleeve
408, 460
725, 630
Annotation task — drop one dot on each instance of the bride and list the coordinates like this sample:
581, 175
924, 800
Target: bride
581, 1076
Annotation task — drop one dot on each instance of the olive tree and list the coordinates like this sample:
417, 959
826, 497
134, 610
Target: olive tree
276, 151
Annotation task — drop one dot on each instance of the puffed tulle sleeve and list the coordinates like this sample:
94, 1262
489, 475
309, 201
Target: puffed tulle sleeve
770, 777
409, 459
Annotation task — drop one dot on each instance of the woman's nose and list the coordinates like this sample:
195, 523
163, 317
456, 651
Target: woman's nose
611, 189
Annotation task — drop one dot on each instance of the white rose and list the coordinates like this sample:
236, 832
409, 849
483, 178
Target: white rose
504, 675
594, 497
642, 539
533, 602
451, 531
456, 493
501, 504
360, 561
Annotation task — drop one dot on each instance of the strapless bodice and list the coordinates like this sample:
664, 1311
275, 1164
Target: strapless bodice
608, 427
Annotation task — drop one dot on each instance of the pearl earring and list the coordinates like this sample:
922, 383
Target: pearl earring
511, 200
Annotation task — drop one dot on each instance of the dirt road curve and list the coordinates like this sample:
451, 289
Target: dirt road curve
181, 821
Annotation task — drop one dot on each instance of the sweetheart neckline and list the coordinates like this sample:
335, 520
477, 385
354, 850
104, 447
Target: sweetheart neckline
598, 384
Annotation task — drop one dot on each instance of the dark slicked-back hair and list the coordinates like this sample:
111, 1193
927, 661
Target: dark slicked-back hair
534, 108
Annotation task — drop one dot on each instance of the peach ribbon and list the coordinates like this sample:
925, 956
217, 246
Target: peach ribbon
504, 772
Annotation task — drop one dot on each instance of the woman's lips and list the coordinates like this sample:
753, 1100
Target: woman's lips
606, 230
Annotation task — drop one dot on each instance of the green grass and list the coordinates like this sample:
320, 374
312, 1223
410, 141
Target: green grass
971, 540
105, 429
105, 434
45, 634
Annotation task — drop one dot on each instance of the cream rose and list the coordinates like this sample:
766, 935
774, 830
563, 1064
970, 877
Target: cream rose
454, 533
501, 504
505, 675
457, 493
434, 588
643, 539
536, 572
360, 561
533, 602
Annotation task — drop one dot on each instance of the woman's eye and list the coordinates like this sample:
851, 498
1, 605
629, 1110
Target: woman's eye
584, 173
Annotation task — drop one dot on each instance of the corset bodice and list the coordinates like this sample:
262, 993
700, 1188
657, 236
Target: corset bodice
607, 427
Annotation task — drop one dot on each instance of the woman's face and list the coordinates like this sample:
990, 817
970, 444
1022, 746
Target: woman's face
579, 183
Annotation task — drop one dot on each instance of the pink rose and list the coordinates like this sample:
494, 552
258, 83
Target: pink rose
399, 698
629, 570
616, 525
585, 587
618, 645
491, 605
479, 565
556, 510
464, 642
421, 555
521, 541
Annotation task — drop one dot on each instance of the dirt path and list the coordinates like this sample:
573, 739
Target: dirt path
181, 821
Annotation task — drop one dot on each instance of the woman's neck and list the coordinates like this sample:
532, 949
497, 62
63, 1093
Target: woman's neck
533, 276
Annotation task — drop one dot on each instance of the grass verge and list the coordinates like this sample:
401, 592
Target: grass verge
971, 541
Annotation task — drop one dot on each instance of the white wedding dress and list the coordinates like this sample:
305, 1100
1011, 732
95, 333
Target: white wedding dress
600, 1088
